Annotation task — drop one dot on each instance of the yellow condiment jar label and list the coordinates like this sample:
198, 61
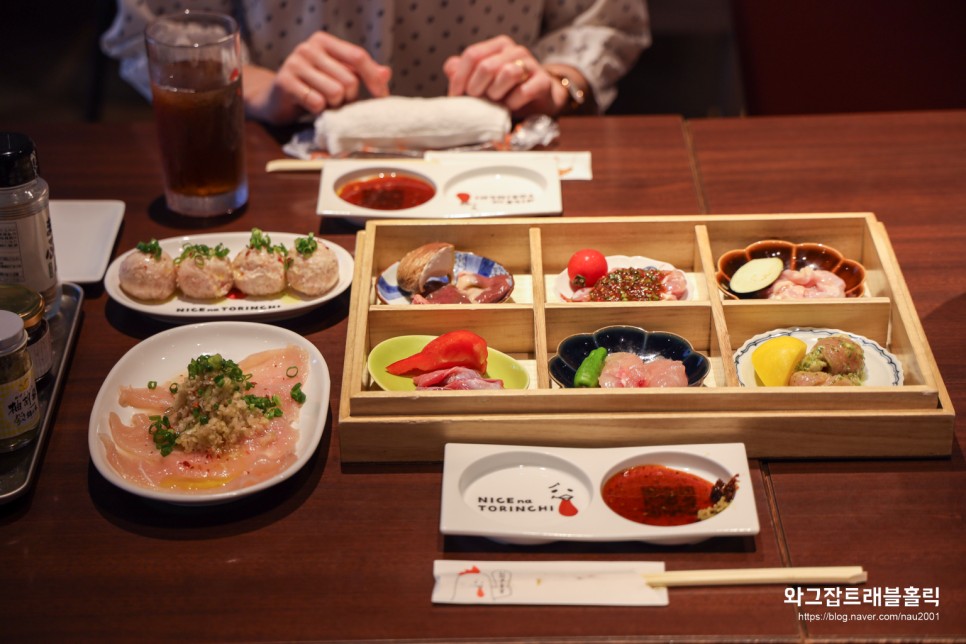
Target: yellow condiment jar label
21, 406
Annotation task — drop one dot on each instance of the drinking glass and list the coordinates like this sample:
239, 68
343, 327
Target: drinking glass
194, 59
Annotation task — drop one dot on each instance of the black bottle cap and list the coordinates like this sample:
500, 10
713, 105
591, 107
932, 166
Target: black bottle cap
18, 159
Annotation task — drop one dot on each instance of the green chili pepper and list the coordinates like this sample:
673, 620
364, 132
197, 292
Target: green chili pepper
589, 370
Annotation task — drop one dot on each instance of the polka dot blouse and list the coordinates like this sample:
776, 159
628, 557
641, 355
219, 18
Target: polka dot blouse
602, 38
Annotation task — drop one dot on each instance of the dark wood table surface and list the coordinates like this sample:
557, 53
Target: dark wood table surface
345, 552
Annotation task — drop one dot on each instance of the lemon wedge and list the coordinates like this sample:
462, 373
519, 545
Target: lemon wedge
756, 274
775, 360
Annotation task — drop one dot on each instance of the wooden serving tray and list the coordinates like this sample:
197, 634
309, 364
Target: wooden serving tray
915, 419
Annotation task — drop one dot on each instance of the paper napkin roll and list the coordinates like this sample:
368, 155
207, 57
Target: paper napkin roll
411, 123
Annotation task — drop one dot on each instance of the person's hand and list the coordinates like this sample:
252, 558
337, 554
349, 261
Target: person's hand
505, 72
322, 72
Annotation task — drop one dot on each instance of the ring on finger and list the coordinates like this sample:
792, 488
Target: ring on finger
524, 70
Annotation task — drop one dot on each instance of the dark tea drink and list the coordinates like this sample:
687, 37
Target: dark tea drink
195, 64
201, 132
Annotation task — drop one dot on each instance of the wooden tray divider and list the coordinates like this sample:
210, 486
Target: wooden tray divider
720, 339
540, 348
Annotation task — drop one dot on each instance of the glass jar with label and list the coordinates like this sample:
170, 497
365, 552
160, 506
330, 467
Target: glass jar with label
29, 305
19, 404
26, 235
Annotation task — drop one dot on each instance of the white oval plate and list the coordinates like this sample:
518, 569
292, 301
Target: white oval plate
387, 286
883, 369
165, 355
563, 292
534, 495
181, 309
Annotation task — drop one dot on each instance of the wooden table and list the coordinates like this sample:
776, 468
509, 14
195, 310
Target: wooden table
345, 552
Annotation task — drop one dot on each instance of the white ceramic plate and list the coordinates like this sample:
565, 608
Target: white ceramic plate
515, 494
181, 309
387, 286
883, 369
561, 284
165, 355
84, 234
463, 189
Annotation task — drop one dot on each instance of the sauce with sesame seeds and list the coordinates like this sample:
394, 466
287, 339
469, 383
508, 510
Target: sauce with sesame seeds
630, 285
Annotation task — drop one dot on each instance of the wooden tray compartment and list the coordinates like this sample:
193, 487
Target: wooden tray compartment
915, 419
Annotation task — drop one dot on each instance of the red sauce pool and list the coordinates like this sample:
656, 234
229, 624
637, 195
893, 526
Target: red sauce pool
388, 191
657, 495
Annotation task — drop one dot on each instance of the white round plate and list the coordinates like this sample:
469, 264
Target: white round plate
165, 355
561, 283
388, 290
883, 369
181, 309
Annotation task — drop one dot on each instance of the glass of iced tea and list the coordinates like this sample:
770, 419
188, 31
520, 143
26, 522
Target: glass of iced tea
194, 59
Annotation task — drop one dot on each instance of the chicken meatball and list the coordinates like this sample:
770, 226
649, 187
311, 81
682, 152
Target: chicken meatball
259, 272
313, 268
204, 273
148, 272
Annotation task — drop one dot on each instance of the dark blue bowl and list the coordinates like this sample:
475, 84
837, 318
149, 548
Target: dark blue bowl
647, 344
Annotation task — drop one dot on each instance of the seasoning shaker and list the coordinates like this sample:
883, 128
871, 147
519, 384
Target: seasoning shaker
29, 305
19, 404
26, 236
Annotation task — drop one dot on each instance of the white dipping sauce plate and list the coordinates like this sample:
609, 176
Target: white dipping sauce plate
533, 495
463, 189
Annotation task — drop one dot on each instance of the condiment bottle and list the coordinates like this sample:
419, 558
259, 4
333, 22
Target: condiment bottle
29, 305
26, 237
19, 405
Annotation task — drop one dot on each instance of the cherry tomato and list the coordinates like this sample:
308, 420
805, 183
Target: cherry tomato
585, 267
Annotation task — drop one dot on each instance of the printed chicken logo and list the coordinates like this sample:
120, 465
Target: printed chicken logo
566, 507
472, 583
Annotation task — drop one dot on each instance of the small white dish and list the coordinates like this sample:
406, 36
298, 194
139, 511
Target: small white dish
882, 368
532, 495
181, 309
389, 292
462, 189
562, 292
163, 356
84, 234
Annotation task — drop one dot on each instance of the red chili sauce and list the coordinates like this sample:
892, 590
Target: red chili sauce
629, 285
388, 191
657, 495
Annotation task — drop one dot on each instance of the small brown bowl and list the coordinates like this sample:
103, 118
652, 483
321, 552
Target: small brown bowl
795, 256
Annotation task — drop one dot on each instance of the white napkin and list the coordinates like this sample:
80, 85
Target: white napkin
411, 123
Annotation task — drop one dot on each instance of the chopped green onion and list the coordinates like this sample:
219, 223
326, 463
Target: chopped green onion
152, 384
292, 371
297, 394
173, 388
152, 248
164, 437
306, 245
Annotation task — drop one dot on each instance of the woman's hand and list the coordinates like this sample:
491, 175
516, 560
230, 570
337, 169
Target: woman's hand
321, 73
504, 72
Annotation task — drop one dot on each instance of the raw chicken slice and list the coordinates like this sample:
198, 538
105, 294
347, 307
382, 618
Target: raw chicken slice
455, 378
806, 283
625, 370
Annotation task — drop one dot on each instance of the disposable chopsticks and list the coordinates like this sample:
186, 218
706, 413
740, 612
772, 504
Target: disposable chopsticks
743, 576
294, 165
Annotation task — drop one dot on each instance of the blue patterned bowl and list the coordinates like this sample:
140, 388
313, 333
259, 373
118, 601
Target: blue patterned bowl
647, 344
